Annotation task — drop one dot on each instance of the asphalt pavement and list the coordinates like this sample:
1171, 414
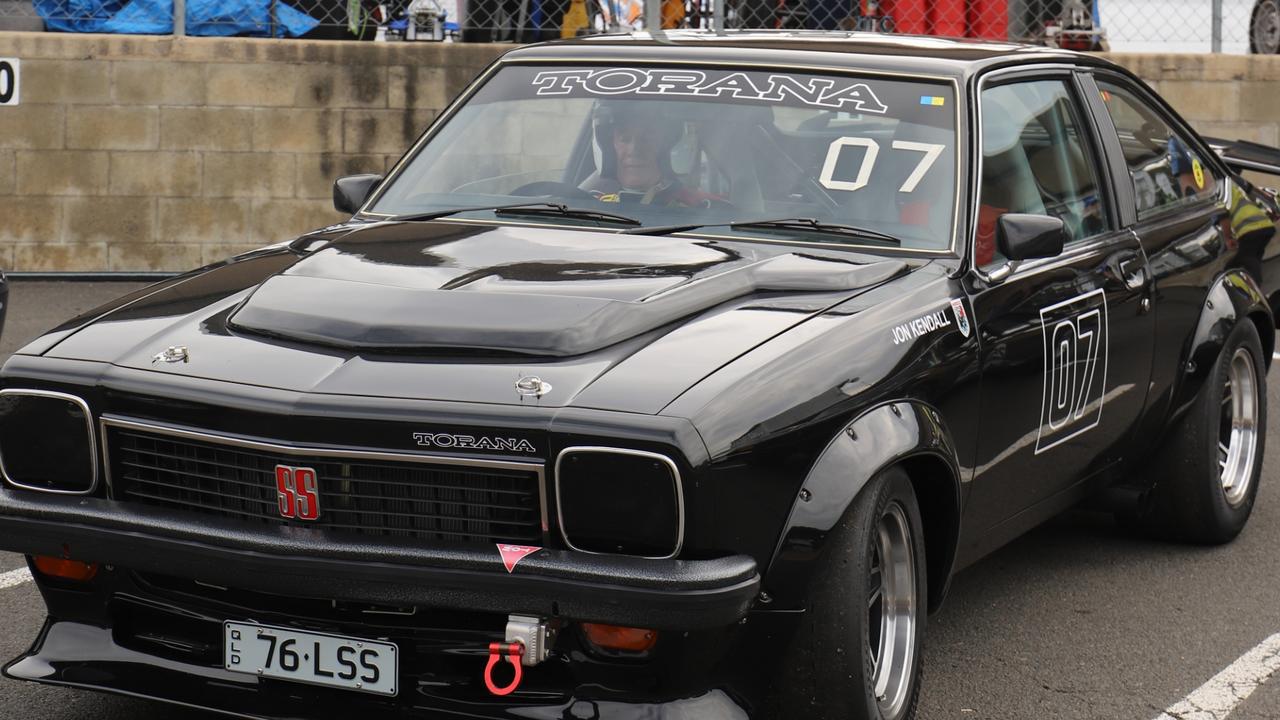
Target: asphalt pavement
1077, 619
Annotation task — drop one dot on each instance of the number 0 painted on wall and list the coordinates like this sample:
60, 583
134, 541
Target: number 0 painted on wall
9, 68
931, 152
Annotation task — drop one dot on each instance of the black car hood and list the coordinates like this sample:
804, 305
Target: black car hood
519, 290
460, 311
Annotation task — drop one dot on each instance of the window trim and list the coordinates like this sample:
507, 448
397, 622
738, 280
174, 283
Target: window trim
1029, 73
1121, 185
1186, 135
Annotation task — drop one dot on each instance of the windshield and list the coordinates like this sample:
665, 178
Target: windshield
697, 149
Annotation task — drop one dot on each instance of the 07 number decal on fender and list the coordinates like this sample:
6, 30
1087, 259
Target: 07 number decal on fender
1074, 336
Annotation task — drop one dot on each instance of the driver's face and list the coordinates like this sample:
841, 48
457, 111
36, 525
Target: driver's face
636, 148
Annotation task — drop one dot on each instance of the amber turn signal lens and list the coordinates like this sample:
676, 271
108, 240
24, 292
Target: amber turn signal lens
65, 569
613, 637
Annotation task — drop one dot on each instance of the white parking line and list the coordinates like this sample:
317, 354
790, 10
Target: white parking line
14, 578
1216, 699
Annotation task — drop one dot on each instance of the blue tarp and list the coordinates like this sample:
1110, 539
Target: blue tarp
155, 17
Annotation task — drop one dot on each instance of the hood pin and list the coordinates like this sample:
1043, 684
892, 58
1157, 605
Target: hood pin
532, 386
172, 354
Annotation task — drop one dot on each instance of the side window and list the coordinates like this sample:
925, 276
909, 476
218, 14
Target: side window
1166, 172
1035, 160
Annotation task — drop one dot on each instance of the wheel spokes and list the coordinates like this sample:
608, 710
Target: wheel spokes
892, 606
1238, 432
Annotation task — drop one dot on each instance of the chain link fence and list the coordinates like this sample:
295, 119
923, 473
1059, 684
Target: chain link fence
1234, 26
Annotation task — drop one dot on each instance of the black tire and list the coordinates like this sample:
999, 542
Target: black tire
1189, 500
1264, 28
828, 671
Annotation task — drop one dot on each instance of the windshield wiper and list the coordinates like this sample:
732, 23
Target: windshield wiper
808, 224
432, 215
524, 208
551, 208
815, 225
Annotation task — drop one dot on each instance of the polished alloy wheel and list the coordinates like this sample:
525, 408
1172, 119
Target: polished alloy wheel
1266, 27
1238, 431
891, 610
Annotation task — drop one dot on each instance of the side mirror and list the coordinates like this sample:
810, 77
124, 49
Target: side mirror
1023, 237
350, 192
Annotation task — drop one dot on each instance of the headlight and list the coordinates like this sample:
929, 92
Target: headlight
612, 500
47, 442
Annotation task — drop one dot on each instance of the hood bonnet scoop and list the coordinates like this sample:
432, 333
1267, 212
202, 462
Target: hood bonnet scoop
358, 315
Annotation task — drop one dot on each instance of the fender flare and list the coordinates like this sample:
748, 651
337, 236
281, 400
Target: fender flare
897, 432
1234, 296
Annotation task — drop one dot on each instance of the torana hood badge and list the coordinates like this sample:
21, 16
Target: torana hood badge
172, 354
532, 386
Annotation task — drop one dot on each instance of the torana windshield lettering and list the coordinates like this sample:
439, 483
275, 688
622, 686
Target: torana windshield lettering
814, 91
471, 442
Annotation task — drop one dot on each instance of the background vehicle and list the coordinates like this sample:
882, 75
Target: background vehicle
679, 377
1264, 28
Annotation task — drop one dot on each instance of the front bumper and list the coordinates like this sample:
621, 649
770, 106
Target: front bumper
150, 623
82, 655
660, 594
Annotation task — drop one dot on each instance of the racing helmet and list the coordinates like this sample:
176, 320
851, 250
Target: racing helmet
607, 116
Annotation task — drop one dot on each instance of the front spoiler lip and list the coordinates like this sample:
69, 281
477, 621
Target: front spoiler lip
292, 561
78, 655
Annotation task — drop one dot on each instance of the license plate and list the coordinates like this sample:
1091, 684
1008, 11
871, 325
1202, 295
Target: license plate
307, 657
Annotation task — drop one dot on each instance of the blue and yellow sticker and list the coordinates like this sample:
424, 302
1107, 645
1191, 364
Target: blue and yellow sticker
933, 100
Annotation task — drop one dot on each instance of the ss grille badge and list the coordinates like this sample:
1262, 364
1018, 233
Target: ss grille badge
297, 492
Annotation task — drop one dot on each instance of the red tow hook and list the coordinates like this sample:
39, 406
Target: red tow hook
514, 651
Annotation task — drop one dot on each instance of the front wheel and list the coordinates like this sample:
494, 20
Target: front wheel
856, 655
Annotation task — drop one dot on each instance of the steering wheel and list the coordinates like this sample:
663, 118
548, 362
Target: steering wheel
550, 187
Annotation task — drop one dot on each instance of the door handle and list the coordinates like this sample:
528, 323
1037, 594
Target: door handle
1133, 271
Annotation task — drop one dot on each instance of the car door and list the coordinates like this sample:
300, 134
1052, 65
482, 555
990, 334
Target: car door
1180, 212
1066, 341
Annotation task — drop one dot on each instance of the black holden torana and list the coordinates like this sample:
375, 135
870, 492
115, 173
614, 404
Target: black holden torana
662, 378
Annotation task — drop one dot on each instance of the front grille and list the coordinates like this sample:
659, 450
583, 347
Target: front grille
390, 498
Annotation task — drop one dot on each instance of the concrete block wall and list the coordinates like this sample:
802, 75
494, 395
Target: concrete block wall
158, 153
1229, 96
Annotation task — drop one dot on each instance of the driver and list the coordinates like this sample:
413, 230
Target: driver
633, 144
